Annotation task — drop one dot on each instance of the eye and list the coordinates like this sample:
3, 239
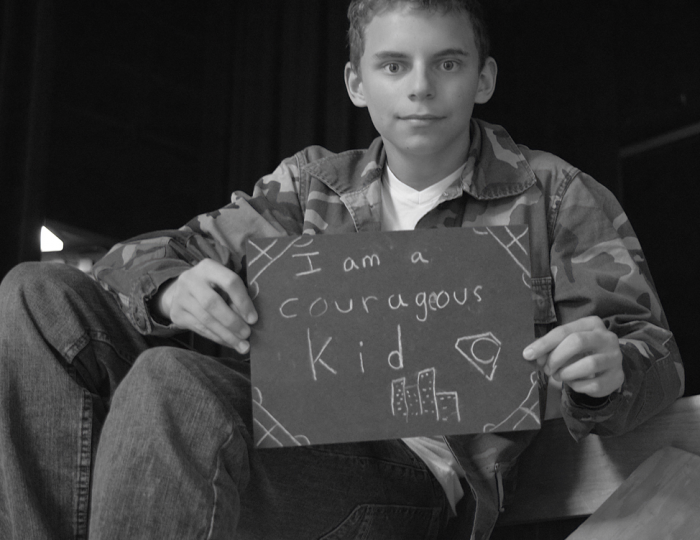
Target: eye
392, 67
449, 65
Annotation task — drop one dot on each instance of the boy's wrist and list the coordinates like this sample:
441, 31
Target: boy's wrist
157, 305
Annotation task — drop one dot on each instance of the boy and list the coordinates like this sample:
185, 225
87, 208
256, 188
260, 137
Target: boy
176, 459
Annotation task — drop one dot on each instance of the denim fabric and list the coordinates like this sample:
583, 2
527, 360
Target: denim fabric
64, 347
175, 459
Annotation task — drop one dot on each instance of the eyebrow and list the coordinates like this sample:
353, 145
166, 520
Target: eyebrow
384, 55
452, 52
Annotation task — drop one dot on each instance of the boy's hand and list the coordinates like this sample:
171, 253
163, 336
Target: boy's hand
212, 301
582, 354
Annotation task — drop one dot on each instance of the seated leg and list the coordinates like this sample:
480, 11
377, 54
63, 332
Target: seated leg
64, 347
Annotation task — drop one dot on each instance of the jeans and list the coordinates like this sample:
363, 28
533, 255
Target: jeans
175, 456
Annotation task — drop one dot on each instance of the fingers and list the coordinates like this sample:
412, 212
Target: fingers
230, 287
213, 301
201, 309
584, 368
583, 354
547, 343
597, 375
599, 385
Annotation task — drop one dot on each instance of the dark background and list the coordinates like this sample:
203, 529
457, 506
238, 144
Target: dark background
122, 117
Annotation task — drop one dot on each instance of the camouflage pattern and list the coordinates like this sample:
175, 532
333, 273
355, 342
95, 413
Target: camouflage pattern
586, 260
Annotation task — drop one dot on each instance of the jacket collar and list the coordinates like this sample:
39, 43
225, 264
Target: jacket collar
499, 167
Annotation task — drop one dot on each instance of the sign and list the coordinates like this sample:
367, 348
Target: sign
388, 335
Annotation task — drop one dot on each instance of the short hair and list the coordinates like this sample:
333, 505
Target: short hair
361, 12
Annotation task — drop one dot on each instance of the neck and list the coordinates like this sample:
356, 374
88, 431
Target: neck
421, 172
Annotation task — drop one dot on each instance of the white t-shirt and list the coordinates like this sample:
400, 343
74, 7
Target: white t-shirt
402, 209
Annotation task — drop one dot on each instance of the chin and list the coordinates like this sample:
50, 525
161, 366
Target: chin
423, 149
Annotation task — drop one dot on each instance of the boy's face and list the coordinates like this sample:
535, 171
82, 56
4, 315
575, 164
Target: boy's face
419, 77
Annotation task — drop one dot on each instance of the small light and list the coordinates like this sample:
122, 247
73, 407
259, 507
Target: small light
49, 241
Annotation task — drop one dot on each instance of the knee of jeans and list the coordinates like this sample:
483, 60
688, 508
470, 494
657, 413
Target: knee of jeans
19, 284
159, 372
18, 278
153, 364
170, 373
163, 394
153, 383
34, 280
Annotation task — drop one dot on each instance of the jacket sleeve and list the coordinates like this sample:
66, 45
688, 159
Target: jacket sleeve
134, 270
599, 269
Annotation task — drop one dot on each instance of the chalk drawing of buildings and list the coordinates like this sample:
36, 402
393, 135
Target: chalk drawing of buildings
422, 399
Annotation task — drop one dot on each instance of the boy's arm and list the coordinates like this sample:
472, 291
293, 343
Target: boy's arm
613, 351
212, 244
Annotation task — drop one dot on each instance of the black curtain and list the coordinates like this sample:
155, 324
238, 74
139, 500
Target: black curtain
287, 89
25, 82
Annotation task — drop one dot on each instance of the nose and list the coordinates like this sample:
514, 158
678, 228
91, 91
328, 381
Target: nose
421, 84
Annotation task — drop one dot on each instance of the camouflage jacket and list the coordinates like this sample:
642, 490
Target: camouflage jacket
586, 260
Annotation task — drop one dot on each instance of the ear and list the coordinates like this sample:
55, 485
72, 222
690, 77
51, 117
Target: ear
487, 81
353, 83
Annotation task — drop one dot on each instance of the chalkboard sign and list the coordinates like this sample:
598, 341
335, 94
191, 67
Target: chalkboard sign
388, 335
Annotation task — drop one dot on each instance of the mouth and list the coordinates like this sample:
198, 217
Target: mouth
421, 117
